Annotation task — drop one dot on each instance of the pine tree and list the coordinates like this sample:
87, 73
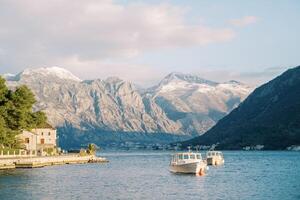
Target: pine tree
16, 114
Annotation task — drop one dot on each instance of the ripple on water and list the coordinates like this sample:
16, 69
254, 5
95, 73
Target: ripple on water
145, 175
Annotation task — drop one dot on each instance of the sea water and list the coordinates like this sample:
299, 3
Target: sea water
145, 175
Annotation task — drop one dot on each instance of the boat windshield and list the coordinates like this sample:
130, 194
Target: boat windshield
183, 156
215, 153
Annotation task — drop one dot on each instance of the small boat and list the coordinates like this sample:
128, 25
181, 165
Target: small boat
189, 163
214, 158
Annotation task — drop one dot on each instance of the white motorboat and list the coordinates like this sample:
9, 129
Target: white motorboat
189, 163
214, 158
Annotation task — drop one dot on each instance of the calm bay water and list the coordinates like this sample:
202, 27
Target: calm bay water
145, 175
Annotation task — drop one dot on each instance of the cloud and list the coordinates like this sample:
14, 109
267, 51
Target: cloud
253, 78
141, 74
247, 20
50, 32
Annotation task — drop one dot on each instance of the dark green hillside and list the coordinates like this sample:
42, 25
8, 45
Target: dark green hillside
270, 116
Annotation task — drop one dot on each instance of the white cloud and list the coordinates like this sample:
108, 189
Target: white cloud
247, 20
253, 78
46, 32
142, 75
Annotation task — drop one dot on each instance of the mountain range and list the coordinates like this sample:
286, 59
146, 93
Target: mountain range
268, 119
103, 111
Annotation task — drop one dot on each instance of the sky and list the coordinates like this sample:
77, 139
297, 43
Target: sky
142, 41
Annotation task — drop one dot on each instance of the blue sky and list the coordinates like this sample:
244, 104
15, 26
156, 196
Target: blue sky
142, 41
269, 43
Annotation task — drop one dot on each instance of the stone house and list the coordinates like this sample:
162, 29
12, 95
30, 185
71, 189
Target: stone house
39, 139
29, 140
46, 138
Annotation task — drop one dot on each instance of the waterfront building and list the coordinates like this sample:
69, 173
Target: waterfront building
39, 139
28, 140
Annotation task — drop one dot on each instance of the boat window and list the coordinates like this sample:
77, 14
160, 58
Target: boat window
185, 156
198, 156
180, 156
192, 156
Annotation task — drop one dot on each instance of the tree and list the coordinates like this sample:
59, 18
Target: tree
4, 136
39, 119
16, 114
7, 136
92, 148
3, 91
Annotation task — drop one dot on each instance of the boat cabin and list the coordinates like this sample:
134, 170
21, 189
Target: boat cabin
186, 157
211, 154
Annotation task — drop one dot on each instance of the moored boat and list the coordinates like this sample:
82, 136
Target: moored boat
188, 163
214, 158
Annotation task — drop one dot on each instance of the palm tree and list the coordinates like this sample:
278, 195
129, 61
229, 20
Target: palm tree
92, 148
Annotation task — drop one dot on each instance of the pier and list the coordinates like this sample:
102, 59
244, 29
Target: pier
42, 161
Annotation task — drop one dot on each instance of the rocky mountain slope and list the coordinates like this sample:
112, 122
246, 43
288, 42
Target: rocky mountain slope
195, 102
268, 118
182, 105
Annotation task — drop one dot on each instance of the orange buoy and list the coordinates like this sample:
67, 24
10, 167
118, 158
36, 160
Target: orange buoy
201, 172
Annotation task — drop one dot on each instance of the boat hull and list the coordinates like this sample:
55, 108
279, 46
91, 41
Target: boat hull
188, 168
215, 161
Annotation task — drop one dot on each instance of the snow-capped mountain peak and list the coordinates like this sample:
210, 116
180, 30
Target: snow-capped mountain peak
177, 80
52, 71
9, 76
187, 78
234, 82
113, 79
180, 103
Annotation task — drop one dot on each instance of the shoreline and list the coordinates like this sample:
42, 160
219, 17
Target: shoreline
42, 161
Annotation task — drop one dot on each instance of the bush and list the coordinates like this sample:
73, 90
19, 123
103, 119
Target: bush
92, 148
8, 151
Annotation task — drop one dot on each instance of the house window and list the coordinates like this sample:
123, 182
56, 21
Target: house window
42, 133
49, 133
27, 140
42, 141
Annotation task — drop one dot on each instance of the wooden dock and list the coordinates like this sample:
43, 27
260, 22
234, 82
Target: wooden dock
42, 161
